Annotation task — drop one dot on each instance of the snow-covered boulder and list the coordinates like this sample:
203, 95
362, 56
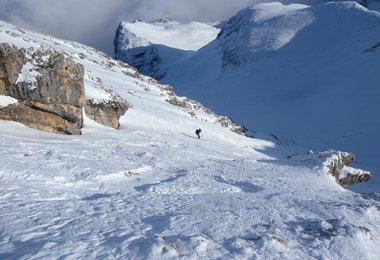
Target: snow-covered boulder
339, 166
48, 86
335, 163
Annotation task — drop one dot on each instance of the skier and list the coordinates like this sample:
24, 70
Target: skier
198, 133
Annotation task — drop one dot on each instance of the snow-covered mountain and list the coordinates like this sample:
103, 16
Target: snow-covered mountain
152, 190
309, 74
150, 47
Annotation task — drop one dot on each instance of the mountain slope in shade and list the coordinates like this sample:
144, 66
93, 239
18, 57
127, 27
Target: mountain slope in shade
152, 190
305, 73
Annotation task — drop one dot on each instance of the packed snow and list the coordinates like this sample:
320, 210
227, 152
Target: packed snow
152, 190
6, 100
160, 193
28, 74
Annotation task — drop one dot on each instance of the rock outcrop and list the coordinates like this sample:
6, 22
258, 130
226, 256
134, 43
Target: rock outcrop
339, 167
107, 112
335, 163
48, 86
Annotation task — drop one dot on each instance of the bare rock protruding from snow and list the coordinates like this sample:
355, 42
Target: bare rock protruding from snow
339, 167
191, 107
337, 164
107, 112
48, 86
12, 60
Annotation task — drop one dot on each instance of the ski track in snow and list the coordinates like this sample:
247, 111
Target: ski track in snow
134, 194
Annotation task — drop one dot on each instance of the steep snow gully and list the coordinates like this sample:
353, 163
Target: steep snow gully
152, 190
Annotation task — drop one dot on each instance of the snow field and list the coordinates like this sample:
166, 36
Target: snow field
136, 193
152, 190
191, 36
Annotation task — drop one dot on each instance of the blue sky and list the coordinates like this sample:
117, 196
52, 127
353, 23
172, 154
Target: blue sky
94, 22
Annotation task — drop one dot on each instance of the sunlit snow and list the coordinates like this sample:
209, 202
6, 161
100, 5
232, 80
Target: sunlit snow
152, 190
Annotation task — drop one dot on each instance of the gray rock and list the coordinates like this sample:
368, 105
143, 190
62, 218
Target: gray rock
107, 112
12, 60
46, 84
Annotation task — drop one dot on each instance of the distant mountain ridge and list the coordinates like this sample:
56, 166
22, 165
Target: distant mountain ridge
150, 47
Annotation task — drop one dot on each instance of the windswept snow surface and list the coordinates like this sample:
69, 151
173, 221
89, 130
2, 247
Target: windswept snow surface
152, 190
159, 193
310, 74
6, 100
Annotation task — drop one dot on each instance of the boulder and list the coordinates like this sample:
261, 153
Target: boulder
48, 86
106, 112
335, 163
338, 166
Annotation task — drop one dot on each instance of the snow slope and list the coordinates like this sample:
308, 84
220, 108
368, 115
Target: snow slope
150, 47
304, 73
152, 190
191, 36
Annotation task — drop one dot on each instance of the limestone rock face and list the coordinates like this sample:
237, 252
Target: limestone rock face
48, 86
40, 120
11, 63
107, 112
58, 80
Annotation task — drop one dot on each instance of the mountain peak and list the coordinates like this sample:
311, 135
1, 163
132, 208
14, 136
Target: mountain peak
146, 46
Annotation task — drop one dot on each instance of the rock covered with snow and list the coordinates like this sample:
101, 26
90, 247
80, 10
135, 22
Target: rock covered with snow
48, 86
339, 167
337, 164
